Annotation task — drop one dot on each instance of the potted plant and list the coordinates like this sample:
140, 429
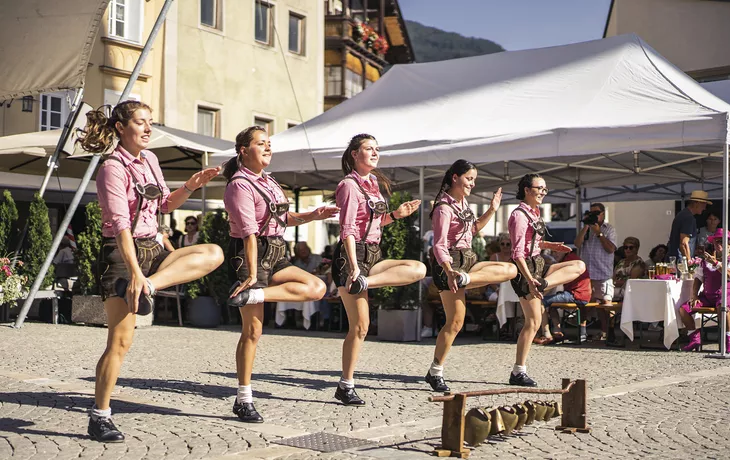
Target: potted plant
39, 242
12, 286
87, 306
399, 306
208, 295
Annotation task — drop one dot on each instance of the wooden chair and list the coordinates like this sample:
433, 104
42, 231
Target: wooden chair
173, 293
707, 314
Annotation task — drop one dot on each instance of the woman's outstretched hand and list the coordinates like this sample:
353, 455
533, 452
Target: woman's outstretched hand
201, 178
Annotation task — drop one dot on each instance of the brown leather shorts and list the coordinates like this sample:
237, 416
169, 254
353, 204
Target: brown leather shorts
367, 256
536, 265
271, 251
111, 266
463, 260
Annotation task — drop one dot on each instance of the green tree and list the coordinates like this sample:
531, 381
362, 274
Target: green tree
216, 284
400, 240
8, 221
39, 242
87, 255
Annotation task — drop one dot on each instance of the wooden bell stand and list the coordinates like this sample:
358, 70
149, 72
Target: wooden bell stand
574, 418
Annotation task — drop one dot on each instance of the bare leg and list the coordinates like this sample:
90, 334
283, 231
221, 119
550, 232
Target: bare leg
293, 284
687, 320
187, 264
252, 318
395, 273
119, 339
455, 308
545, 323
564, 272
532, 309
553, 312
485, 273
358, 315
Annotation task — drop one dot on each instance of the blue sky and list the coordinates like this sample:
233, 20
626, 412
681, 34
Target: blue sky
514, 24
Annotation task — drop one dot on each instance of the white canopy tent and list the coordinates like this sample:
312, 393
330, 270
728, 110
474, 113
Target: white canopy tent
611, 116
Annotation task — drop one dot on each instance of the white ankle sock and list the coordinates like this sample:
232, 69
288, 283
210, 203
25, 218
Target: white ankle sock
436, 370
255, 296
518, 369
245, 395
465, 279
99, 413
345, 384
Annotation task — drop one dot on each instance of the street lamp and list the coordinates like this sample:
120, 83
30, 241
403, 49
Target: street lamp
27, 103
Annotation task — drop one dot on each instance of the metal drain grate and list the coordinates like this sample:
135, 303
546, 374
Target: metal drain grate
323, 442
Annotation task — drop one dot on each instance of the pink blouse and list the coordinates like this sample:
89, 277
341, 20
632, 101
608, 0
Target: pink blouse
447, 229
118, 199
354, 211
247, 209
520, 232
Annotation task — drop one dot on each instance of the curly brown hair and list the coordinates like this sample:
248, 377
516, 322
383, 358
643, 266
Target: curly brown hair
100, 132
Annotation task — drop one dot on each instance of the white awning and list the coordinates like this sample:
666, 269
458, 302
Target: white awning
45, 45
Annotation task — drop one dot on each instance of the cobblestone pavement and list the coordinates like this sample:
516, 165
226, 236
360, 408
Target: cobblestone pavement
174, 397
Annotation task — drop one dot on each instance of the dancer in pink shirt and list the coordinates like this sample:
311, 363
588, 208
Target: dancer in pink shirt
133, 263
453, 264
357, 262
526, 230
258, 212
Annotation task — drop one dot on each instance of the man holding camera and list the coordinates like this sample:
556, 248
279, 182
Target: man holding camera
597, 243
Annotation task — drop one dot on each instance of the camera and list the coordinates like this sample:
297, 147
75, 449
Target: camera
591, 217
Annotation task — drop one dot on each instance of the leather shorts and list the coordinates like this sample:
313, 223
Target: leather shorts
463, 260
111, 266
367, 254
271, 251
536, 265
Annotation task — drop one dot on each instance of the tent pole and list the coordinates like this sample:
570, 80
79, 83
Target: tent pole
89, 172
52, 162
296, 209
578, 205
723, 309
421, 223
202, 192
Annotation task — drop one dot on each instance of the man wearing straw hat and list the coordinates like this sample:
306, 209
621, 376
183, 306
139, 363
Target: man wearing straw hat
683, 236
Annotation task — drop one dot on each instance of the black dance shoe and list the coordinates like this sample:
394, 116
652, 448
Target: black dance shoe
521, 380
103, 430
144, 306
437, 383
247, 413
359, 285
348, 397
242, 297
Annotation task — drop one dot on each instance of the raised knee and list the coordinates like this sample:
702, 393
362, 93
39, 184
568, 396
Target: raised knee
420, 270
511, 271
214, 255
581, 266
316, 289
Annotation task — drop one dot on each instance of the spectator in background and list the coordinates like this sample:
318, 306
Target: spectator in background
191, 236
630, 267
577, 291
683, 235
505, 249
165, 232
304, 259
65, 254
176, 234
712, 222
657, 254
597, 242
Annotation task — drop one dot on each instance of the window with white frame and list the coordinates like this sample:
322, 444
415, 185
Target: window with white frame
208, 121
296, 33
126, 19
266, 123
54, 111
333, 80
210, 13
353, 83
264, 21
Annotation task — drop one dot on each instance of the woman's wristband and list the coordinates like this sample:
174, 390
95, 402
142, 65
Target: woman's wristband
392, 216
185, 186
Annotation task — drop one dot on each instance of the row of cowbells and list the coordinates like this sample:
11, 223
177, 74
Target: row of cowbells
482, 422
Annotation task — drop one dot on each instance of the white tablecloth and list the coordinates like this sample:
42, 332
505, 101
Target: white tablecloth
307, 309
507, 302
654, 300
